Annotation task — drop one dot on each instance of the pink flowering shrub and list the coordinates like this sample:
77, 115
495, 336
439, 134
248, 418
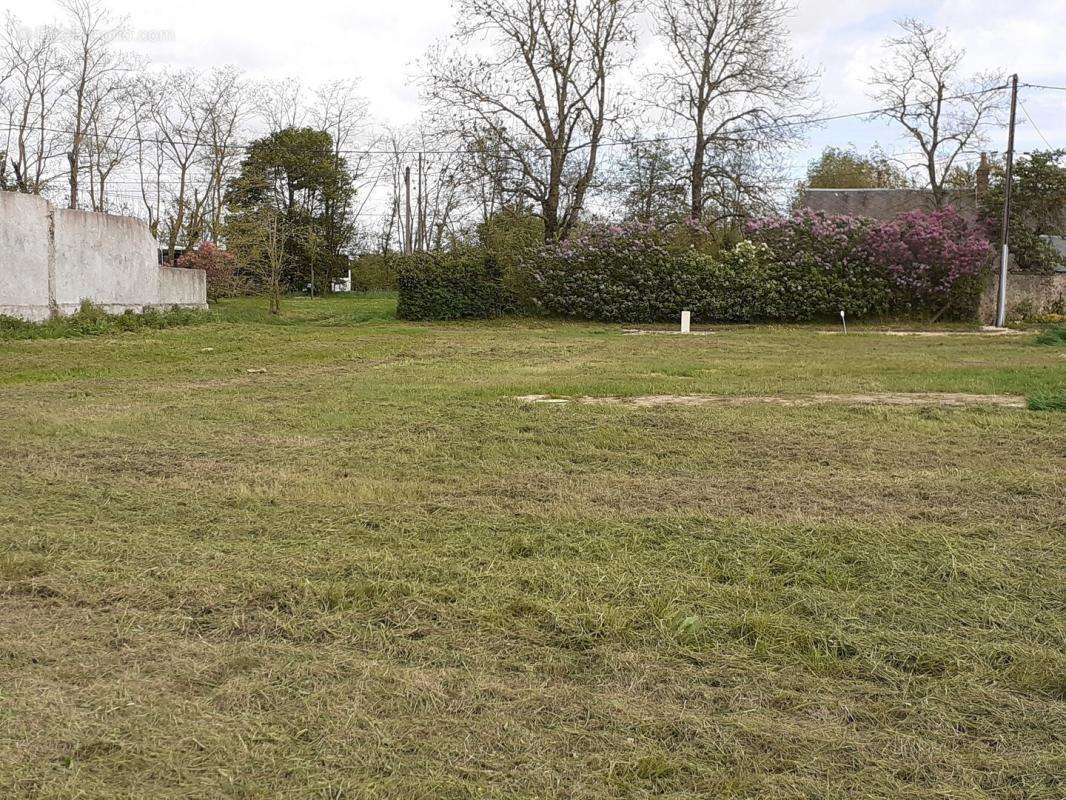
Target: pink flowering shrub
822, 266
934, 261
223, 278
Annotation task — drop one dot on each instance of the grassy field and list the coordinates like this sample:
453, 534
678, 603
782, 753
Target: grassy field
331, 556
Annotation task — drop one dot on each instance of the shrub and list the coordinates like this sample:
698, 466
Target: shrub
376, 272
223, 278
935, 261
805, 267
821, 267
618, 273
641, 273
443, 286
510, 236
1055, 335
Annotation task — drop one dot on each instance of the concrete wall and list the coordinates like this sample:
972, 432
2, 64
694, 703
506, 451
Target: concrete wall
25, 256
1026, 294
182, 287
109, 260
883, 204
51, 259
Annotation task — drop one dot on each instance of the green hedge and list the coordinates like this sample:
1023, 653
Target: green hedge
652, 285
465, 285
807, 267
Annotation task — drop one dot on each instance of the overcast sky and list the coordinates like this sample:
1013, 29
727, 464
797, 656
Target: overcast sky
379, 41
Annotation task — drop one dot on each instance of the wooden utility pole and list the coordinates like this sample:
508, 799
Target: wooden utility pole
407, 238
1001, 307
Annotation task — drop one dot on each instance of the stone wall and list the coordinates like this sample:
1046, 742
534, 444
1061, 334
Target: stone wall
51, 259
1026, 294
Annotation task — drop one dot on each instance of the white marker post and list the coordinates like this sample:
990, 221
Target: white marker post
844, 319
686, 322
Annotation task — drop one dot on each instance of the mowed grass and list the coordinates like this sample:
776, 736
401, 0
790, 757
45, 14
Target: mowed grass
370, 572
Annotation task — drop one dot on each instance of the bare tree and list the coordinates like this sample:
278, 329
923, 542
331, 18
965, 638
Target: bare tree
110, 139
490, 180
283, 104
544, 94
732, 84
341, 111
150, 160
228, 109
34, 68
92, 61
181, 120
945, 113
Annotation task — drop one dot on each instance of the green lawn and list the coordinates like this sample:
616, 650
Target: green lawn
369, 572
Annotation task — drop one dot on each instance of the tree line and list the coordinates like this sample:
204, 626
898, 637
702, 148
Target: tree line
533, 108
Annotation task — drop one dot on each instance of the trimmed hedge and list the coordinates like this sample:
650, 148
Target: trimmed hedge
649, 284
806, 267
465, 285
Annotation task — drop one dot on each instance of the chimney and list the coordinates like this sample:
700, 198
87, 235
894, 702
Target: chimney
983, 173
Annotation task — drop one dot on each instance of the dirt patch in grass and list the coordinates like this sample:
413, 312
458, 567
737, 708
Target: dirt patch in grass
939, 399
639, 332
985, 331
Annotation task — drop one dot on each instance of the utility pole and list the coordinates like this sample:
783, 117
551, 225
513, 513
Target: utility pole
421, 216
407, 240
1001, 307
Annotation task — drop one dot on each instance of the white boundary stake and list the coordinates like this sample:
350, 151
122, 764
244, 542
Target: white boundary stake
844, 319
686, 322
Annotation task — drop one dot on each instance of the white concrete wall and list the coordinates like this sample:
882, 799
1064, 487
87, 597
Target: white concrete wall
52, 259
107, 259
182, 287
25, 251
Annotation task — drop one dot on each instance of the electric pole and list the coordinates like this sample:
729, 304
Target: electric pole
421, 215
407, 235
1001, 307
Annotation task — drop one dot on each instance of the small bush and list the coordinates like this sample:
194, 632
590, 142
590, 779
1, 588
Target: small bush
464, 285
1048, 402
223, 278
91, 320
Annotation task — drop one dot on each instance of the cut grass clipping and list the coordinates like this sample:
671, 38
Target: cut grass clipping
1048, 402
1053, 336
336, 558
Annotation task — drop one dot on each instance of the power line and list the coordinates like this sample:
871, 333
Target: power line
801, 122
1044, 86
1036, 127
